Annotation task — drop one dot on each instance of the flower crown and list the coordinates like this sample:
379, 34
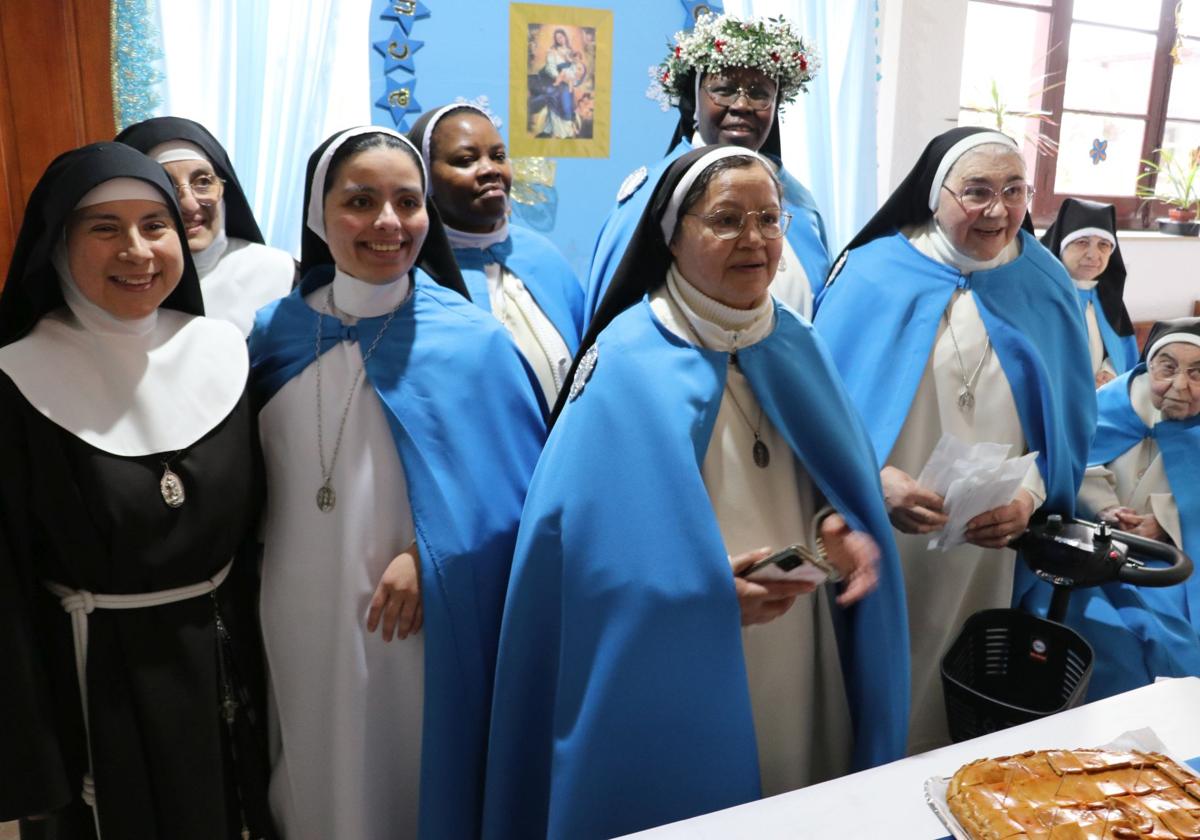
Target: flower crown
719, 41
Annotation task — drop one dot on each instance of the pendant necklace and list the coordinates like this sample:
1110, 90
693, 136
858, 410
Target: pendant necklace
760, 452
171, 485
326, 497
966, 394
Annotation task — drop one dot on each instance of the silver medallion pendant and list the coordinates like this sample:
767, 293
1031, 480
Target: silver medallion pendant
171, 487
762, 455
966, 399
326, 498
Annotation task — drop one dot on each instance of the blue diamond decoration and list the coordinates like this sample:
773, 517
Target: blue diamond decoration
404, 12
397, 50
399, 100
692, 8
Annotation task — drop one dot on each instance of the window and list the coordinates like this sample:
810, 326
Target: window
1089, 88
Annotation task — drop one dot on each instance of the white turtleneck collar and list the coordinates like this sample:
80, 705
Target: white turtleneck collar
464, 239
206, 259
360, 299
931, 240
718, 326
1086, 285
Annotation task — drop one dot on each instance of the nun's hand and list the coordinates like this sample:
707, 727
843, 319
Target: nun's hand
1104, 377
763, 601
998, 527
912, 508
854, 554
396, 606
1143, 525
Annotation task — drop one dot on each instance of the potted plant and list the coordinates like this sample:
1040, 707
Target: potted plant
1176, 183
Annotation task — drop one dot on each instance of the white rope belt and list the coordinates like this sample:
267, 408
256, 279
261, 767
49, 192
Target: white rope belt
79, 604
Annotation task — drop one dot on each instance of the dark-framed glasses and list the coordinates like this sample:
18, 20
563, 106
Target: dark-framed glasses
202, 187
979, 198
729, 224
1164, 368
725, 94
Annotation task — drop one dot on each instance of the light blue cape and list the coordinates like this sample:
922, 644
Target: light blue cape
806, 234
621, 692
1122, 350
460, 405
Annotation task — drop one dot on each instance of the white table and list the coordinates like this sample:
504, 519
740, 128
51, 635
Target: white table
889, 801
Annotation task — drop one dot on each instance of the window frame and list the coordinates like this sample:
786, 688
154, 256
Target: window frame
1133, 213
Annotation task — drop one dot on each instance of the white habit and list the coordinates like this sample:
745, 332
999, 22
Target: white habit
1136, 479
943, 589
238, 277
801, 715
346, 706
1100, 360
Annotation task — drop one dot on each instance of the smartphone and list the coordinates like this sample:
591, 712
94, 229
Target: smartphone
794, 563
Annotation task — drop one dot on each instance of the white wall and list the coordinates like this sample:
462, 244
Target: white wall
921, 51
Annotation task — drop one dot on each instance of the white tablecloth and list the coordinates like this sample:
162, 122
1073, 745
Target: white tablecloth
889, 801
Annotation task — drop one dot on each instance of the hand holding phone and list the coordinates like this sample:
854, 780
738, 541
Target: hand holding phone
794, 563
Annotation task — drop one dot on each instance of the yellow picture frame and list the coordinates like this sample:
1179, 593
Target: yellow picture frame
560, 81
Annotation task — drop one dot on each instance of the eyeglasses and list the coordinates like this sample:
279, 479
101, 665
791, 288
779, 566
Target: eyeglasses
202, 187
979, 198
729, 224
725, 94
1165, 369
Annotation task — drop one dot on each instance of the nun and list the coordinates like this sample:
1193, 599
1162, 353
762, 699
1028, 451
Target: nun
400, 428
945, 316
722, 99
1084, 237
510, 271
643, 677
238, 273
128, 503
1144, 477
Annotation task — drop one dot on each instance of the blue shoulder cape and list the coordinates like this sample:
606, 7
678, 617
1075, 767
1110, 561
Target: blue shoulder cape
541, 268
1122, 350
621, 696
461, 409
880, 319
806, 234
1145, 633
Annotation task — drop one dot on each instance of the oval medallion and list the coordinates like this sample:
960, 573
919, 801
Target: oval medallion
966, 400
326, 498
762, 455
171, 487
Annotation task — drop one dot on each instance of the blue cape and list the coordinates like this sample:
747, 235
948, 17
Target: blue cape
1140, 633
461, 408
621, 692
1122, 350
806, 234
542, 270
880, 318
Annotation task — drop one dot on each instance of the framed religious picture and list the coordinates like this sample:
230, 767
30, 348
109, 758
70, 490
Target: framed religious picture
560, 80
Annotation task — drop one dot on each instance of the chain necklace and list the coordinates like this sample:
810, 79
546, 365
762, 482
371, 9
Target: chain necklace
171, 485
966, 394
760, 452
326, 497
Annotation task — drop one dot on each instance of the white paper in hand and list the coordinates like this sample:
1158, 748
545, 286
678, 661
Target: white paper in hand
972, 479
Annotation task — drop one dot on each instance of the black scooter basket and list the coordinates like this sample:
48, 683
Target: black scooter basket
1009, 667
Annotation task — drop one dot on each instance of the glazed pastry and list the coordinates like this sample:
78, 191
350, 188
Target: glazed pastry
1076, 795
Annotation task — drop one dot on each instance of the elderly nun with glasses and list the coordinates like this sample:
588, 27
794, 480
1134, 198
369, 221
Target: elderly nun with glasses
729, 79
945, 316
651, 666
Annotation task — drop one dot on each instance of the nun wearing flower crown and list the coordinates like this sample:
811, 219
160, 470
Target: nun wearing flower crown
510, 271
1144, 477
945, 316
646, 674
128, 502
238, 273
729, 80
400, 428
1084, 237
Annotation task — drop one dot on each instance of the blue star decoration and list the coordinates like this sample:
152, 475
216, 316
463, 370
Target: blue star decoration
397, 50
693, 9
404, 12
1099, 151
399, 100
